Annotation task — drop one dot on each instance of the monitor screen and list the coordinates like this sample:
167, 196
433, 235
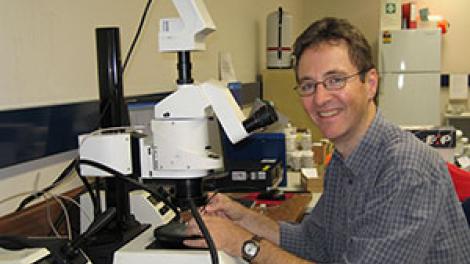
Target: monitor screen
33, 133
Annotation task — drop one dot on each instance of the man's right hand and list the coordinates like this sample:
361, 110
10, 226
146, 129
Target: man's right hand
221, 205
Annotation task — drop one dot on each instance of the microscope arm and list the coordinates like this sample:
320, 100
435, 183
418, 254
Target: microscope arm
195, 101
189, 30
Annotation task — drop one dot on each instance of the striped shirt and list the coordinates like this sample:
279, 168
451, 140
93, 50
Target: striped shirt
390, 201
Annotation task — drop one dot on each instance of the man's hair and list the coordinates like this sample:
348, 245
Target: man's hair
333, 30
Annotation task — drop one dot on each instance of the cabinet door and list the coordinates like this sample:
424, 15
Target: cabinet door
411, 99
408, 51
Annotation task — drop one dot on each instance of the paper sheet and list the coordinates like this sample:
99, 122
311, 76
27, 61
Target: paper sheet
309, 172
458, 86
226, 70
390, 14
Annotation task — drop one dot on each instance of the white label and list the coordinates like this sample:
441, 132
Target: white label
239, 176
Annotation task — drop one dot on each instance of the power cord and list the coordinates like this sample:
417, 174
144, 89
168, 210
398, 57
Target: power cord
205, 232
68, 204
125, 178
136, 37
194, 210
66, 172
48, 195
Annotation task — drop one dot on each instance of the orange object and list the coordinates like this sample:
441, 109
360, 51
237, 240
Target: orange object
328, 158
443, 25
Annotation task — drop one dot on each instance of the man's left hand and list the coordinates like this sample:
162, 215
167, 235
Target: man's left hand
227, 235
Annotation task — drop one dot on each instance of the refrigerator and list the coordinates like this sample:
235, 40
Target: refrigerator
410, 69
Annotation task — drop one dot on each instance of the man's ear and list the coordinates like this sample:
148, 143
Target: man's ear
372, 81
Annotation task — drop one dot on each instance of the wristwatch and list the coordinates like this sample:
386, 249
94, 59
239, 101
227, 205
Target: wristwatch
251, 248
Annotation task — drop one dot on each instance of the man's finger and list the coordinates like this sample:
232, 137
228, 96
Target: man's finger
196, 243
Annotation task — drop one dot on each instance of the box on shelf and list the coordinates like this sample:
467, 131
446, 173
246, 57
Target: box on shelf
311, 180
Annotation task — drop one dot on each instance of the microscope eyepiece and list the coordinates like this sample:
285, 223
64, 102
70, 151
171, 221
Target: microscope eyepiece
263, 117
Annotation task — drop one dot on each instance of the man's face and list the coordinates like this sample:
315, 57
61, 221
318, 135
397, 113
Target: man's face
342, 115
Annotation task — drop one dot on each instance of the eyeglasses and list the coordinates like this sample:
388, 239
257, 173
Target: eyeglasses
332, 83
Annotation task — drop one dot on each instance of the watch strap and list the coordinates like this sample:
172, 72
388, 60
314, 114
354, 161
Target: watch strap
257, 238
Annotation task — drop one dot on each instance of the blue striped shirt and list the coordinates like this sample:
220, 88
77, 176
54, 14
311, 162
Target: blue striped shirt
390, 201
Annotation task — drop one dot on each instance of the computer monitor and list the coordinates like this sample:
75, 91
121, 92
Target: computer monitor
31, 137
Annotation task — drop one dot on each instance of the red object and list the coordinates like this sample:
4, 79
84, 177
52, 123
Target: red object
461, 180
252, 197
405, 15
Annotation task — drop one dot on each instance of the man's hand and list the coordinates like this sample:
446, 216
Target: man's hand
221, 205
229, 237
226, 235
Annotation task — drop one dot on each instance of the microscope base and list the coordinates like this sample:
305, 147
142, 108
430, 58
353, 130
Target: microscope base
103, 252
135, 252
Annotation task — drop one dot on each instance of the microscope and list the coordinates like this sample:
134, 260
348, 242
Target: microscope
178, 148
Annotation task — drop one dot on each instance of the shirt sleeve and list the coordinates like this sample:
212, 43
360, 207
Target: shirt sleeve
399, 221
305, 239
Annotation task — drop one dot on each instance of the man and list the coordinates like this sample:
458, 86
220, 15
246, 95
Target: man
387, 197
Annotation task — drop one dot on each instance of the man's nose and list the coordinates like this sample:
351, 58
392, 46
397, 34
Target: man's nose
321, 95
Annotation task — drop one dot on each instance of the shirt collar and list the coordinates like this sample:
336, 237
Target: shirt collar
364, 157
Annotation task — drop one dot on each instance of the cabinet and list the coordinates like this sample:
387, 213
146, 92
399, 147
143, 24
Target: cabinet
460, 121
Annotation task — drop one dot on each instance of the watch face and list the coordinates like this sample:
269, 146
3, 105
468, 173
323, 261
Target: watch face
251, 248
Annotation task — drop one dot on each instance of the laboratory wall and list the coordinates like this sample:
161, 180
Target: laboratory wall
455, 52
362, 13
48, 47
365, 15
48, 56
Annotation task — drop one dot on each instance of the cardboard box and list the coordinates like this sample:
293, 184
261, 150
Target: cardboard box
311, 180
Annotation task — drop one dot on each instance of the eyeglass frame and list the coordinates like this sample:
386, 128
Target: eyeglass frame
343, 79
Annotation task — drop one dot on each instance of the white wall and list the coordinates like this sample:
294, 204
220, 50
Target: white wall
455, 50
362, 13
48, 47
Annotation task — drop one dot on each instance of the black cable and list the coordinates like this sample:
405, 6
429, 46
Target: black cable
58, 180
98, 194
103, 113
211, 186
94, 200
13, 242
123, 177
205, 232
236, 188
136, 37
